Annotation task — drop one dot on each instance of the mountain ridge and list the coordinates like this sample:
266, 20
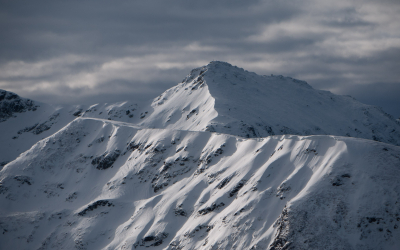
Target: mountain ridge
192, 169
100, 184
228, 99
223, 98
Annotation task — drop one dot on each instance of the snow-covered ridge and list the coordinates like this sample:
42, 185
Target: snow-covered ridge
223, 98
24, 122
100, 184
212, 163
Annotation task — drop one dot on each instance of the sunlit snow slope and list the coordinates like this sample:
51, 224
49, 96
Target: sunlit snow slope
100, 184
218, 98
227, 159
227, 99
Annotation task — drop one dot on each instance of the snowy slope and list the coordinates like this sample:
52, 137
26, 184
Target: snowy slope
24, 122
227, 99
223, 160
100, 184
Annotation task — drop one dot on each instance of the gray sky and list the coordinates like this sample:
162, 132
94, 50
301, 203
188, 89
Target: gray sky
105, 51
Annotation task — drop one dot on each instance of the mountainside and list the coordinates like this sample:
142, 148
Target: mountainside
107, 185
227, 159
24, 122
226, 99
219, 98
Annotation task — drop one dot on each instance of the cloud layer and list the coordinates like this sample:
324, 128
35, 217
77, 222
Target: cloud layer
102, 51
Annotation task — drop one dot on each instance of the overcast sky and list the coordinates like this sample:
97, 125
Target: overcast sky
104, 51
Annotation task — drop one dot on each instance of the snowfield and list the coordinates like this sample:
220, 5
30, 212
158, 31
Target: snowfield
226, 159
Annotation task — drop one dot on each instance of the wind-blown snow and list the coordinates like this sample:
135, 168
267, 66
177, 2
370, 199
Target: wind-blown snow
199, 190
226, 99
224, 160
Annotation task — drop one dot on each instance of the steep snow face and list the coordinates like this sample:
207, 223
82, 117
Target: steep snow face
187, 106
223, 98
100, 184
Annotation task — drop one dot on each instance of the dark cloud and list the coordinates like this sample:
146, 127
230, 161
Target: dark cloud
48, 28
379, 94
93, 51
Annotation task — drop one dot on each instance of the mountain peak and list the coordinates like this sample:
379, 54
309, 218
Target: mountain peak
99, 176
220, 97
219, 72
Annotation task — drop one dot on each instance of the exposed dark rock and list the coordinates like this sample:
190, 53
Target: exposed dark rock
99, 140
225, 181
3, 189
180, 212
218, 152
11, 103
41, 128
237, 188
240, 211
36, 128
77, 113
151, 240
281, 240
143, 115
94, 205
339, 180
191, 233
210, 128
283, 189
346, 175
71, 197
191, 113
159, 186
213, 206
28, 129
106, 160
23, 179
310, 150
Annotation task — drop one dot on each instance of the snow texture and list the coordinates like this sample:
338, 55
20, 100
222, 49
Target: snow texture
213, 163
226, 99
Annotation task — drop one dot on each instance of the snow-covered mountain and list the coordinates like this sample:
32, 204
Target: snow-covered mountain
226, 99
24, 122
219, 98
107, 185
180, 172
